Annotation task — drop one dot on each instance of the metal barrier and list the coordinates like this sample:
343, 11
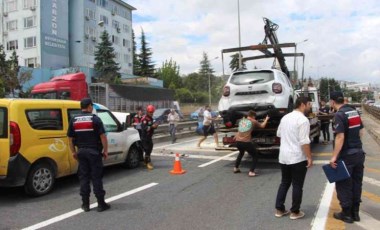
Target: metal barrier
373, 110
187, 125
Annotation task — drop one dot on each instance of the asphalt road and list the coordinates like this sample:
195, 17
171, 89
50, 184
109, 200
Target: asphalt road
206, 197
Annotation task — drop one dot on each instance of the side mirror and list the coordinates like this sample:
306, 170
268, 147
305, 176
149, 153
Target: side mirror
128, 122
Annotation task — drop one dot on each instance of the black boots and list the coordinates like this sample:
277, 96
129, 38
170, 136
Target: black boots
355, 213
102, 205
86, 204
344, 215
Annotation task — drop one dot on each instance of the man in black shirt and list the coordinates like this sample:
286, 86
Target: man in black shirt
325, 123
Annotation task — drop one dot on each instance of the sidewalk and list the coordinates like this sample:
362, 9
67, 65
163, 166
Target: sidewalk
372, 125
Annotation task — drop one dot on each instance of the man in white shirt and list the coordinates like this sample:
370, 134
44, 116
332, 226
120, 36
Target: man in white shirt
294, 158
208, 127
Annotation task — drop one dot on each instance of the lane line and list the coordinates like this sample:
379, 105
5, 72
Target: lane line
367, 221
371, 196
78, 211
372, 170
180, 143
321, 154
320, 218
218, 159
371, 181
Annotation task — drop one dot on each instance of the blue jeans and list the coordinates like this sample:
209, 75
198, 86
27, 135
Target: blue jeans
291, 175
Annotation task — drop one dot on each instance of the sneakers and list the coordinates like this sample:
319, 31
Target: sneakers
295, 216
280, 213
236, 170
149, 165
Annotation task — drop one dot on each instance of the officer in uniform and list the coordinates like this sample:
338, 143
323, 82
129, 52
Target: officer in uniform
86, 133
348, 147
147, 127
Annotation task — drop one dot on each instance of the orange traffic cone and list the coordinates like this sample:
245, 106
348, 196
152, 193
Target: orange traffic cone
177, 168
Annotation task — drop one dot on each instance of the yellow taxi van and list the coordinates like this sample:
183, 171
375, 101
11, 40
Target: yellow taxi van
34, 148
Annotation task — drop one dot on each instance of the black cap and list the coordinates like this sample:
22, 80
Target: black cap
85, 102
335, 96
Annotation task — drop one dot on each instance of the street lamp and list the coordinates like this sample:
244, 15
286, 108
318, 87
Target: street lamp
209, 81
295, 60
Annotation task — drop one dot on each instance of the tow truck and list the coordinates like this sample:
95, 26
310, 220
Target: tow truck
266, 139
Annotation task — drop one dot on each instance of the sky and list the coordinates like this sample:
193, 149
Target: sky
342, 35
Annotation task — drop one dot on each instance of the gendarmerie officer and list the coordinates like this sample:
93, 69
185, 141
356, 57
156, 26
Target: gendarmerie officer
86, 132
348, 147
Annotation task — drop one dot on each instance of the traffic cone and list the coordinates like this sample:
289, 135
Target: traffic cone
177, 168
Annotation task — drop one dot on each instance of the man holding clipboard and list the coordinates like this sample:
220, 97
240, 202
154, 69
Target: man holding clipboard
348, 148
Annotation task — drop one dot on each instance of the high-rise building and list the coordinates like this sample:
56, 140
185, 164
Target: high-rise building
62, 33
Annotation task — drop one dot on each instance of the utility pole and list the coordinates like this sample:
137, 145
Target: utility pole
240, 61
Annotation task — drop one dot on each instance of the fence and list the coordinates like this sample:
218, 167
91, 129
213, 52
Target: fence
373, 110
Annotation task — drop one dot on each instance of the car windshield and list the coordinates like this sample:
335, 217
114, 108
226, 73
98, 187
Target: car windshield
158, 112
249, 78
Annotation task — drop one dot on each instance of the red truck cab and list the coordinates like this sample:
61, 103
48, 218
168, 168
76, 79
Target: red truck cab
69, 86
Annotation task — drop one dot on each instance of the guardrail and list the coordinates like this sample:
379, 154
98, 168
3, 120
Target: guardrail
187, 125
373, 110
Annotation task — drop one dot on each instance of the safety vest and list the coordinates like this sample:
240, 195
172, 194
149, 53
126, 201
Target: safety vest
352, 125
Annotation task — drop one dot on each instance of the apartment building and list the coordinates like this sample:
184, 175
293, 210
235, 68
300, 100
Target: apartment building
53, 34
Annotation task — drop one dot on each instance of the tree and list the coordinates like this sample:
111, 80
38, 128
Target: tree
136, 64
234, 63
146, 66
3, 71
13, 69
169, 73
106, 66
328, 85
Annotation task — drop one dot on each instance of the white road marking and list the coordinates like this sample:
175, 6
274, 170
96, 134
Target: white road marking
193, 156
78, 211
320, 218
371, 181
367, 221
218, 159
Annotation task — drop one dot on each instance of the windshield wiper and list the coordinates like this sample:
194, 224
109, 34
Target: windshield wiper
255, 81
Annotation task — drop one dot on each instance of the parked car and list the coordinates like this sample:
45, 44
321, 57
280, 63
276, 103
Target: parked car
161, 115
266, 91
199, 113
34, 144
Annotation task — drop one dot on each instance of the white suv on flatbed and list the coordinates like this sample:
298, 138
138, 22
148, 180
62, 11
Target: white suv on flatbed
266, 91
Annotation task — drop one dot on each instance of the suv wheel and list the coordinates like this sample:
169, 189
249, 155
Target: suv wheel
290, 105
133, 158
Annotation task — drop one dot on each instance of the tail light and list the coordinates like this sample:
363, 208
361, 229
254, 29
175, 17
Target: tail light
15, 138
228, 124
277, 88
226, 91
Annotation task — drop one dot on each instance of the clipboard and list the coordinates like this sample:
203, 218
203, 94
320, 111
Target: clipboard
338, 174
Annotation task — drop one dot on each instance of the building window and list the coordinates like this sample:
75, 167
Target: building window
30, 22
104, 19
11, 5
126, 28
126, 43
30, 42
117, 55
31, 62
90, 14
92, 1
127, 58
12, 45
30, 3
114, 10
102, 3
115, 39
90, 31
115, 24
12, 25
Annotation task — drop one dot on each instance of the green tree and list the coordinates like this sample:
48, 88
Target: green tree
146, 66
136, 64
328, 85
106, 67
3, 71
234, 63
13, 80
169, 73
